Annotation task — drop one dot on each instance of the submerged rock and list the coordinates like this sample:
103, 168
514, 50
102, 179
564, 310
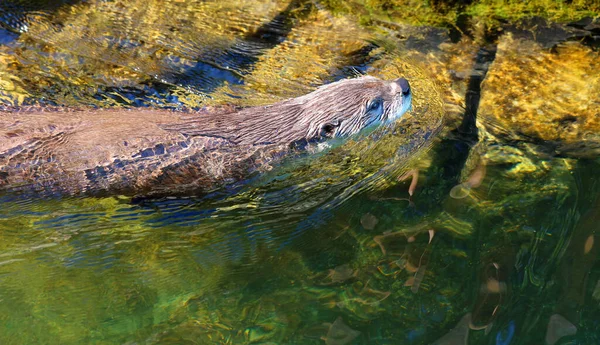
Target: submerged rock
459, 335
340, 334
547, 97
559, 327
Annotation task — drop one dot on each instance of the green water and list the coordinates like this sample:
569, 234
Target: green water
106, 271
306, 254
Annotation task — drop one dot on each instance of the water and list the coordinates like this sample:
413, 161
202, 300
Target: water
497, 244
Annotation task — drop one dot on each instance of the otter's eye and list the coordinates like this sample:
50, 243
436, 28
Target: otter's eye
328, 129
374, 104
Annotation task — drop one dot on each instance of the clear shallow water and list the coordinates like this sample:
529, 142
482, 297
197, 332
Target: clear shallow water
308, 253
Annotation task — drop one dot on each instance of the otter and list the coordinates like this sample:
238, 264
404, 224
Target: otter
145, 151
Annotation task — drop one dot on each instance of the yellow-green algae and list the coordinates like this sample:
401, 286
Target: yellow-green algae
553, 10
445, 13
416, 12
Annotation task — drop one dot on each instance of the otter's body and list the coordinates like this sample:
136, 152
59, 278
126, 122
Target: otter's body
145, 151
117, 151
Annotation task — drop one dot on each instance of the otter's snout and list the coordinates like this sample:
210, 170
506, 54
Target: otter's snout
404, 86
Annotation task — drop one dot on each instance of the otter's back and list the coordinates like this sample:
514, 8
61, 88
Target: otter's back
76, 151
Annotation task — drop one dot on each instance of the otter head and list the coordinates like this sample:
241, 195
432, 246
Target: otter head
349, 106
335, 110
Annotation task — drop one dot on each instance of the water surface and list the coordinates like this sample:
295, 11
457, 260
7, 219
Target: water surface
497, 244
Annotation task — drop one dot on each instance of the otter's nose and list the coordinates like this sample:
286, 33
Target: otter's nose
404, 86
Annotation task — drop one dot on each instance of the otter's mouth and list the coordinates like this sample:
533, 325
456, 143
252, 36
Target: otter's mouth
406, 105
405, 100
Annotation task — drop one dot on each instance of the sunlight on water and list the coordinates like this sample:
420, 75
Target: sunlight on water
469, 221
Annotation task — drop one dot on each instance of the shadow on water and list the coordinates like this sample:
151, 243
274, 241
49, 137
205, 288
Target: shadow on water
237, 61
239, 58
453, 150
577, 271
14, 13
547, 285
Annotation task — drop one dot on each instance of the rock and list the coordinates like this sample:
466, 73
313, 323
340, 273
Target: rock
545, 33
369, 221
559, 327
340, 334
548, 97
459, 335
589, 24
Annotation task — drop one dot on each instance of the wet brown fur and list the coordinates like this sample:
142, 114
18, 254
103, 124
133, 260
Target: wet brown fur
146, 151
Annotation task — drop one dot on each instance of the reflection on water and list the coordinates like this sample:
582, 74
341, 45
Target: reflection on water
488, 238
